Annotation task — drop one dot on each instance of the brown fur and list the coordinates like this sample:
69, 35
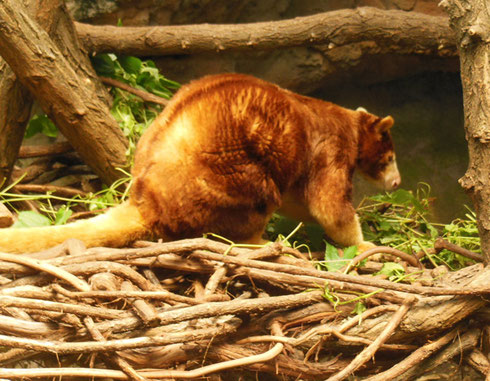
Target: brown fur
228, 148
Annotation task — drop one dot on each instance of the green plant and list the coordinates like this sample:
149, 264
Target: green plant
132, 114
41, 124
310, 235
393, 271
57, 210
400, 219
334, 259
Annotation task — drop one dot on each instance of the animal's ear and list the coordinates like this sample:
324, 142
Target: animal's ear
385, 124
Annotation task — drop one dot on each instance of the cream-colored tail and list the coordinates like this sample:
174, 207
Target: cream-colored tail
118, 227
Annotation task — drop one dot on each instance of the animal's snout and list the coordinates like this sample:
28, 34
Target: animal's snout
392, 178
395, 183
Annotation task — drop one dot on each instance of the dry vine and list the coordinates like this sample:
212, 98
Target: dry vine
192, 308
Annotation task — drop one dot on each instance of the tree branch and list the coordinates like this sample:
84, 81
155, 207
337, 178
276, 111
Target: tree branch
393, 31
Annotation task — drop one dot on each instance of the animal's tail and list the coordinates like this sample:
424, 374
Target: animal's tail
118, 227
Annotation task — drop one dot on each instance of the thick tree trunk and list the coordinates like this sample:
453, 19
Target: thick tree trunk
71, 98
15, 100
390, 31
15, 106
470, 20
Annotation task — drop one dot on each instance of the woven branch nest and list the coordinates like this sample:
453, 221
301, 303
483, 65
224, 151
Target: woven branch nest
199, 308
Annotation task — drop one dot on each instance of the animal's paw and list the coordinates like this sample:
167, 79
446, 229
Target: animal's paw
364, 246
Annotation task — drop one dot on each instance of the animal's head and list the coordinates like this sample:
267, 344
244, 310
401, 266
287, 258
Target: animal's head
376, 158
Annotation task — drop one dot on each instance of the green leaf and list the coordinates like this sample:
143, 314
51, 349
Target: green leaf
131, 64
359, 308
350, 252
29, 219
104, 65
169, 83
433, 231
333, 262
391, 270
384, 226
34, 127
62, 215
331, 253
41, 124
49, 128
404, 197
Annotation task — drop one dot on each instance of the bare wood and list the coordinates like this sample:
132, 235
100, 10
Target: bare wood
416, 357
430, 313
195, 373
15, 100
464, 342
6, 217
230, 364
198, 324
64, 94
479, 361
215, 280
286, 365
441, 244
175, 247
469, 21
200, 244
186, 245
218, 309
295, 283
105, 313
15, 106
48, 268
340, 277
145, 95
44, 150
119, 269
125, 367
61, 347
371, 349
144, 310
412, 260
157, 295
61, 191
393, 31
86, 373
22, 327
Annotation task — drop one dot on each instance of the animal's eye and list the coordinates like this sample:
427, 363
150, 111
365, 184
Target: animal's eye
390, 158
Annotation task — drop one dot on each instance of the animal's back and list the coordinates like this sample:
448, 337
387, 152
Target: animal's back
226, 148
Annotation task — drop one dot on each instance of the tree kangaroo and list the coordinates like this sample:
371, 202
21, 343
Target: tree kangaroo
227, 152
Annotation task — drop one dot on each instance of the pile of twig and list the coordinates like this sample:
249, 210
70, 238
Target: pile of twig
198, 308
